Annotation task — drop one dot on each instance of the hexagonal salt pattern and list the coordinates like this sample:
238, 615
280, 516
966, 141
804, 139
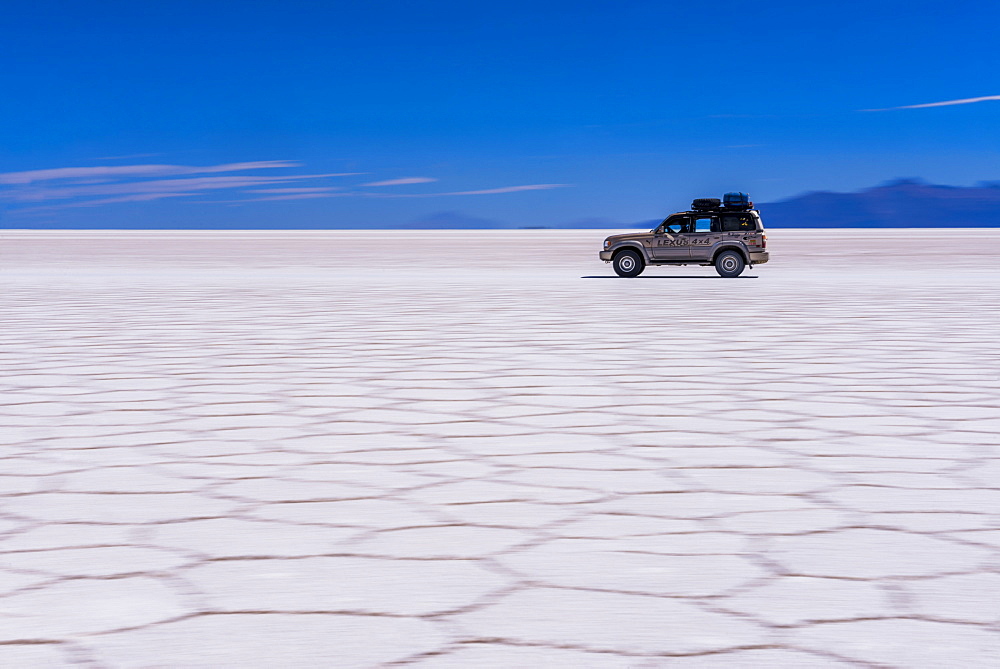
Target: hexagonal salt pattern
271, 640
256, 449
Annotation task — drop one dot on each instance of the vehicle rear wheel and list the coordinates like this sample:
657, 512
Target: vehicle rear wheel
628, 263
729, 264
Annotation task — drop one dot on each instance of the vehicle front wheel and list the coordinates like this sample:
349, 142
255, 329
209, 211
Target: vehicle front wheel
628, 263
729, 264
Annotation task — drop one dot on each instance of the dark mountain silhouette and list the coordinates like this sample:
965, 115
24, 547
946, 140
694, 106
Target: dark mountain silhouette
453, 220
903, 203
590, 224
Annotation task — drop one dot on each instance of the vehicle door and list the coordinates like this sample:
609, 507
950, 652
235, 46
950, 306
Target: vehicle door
706, 233
670, 239
742, 228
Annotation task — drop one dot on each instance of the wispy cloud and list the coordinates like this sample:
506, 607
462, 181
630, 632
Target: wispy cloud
138, 197
945, 103
71, 187
309, 193
48, 190
488, 191
322, 189
125, 171
401, 182
36, 194
129, 156
294, 196
509, 189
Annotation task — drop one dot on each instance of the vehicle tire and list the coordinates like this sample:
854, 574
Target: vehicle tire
628, 263
729, 264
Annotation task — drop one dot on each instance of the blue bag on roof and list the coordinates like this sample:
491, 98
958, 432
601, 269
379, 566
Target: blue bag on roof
736, 200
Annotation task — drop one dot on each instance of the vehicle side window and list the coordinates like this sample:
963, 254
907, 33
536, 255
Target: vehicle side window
706, 224
676, 224
738, 223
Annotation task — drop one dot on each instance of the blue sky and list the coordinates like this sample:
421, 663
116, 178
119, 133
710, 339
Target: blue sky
381, 114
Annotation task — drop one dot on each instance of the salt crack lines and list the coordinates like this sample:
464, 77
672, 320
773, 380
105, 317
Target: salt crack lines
255, 451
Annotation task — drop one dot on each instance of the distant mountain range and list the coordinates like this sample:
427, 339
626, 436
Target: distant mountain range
452, 220
903, 203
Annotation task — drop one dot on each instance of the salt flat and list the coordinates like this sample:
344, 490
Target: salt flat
482, 449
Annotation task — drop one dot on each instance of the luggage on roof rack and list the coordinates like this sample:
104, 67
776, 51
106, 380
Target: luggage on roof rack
737, 201
703, 203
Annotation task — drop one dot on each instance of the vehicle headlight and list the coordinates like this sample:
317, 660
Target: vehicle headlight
607, 244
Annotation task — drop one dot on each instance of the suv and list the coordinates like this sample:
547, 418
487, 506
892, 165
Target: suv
729, 236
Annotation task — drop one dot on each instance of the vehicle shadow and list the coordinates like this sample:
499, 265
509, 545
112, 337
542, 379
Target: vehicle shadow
663, 276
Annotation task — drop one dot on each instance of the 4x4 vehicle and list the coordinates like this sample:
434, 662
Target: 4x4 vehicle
729, 236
